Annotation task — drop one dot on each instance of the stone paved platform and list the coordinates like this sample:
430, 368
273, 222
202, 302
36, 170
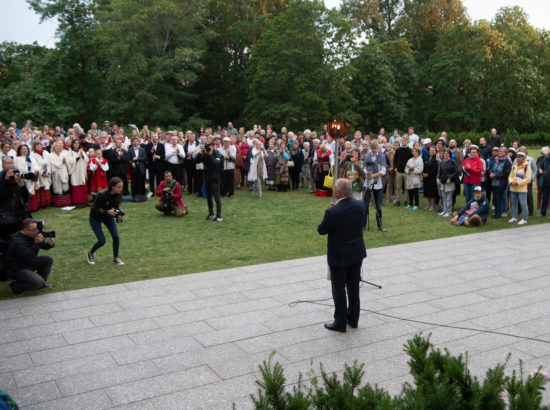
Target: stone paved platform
195, 341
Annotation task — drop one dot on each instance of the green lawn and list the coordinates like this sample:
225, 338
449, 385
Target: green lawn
277, 227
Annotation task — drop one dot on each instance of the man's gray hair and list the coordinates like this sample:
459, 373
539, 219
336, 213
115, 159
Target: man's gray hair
6, 159
344, 186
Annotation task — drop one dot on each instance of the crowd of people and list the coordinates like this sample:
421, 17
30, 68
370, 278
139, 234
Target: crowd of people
69, 167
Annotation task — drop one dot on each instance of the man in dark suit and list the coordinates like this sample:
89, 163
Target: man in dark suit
118, 167
155, 162
137, 158
343, 223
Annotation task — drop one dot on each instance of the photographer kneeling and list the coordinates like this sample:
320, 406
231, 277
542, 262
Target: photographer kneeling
169, 192
104, 210
22, 260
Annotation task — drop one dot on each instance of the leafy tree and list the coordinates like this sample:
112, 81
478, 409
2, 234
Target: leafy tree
376, 18
380, 99
291, 76
30, 85
77, 25
153, 53
238, 25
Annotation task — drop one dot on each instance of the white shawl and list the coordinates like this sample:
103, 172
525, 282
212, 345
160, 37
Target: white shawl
78, 170
257, 155
60, 173
43, 165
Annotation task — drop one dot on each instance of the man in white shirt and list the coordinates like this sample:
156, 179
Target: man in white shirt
412, 137
229, 153
174, 156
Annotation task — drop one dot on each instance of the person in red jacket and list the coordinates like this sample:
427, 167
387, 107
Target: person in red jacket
169, 192
472, 168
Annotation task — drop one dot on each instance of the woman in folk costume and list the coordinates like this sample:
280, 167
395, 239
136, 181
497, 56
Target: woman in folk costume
77, 163
282, 173
98, 167
323, 164
60, 175
258, 169
25, 165
42, 189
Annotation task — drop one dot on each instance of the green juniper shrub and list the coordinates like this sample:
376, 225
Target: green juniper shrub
441, 381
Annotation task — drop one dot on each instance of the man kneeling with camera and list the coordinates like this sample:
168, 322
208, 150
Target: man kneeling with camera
169, 192
24, 267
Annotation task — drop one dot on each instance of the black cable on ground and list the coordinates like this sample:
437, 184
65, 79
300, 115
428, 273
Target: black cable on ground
317, 302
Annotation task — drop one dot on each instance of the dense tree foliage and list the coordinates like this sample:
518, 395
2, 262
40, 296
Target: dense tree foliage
389, 63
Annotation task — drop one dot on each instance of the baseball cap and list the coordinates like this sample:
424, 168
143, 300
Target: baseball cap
226, 139
478, 189
427, 141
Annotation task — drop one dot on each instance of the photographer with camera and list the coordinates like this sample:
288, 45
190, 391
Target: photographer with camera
104, 210
14, 197
213, 162
22, 260
169, 191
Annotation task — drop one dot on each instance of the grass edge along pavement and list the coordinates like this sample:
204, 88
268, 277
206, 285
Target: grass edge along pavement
279, 226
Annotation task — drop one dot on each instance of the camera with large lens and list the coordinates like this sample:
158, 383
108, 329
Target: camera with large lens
27, 175
46, 234
208, 147
167, 203
119, 214
369, 163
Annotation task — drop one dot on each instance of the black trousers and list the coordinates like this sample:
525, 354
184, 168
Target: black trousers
377, 195
122, 174
413, 197
27, 279
177, 171
199, 181
190, 171
228, 179
138, 182
346, 278
294, 177
156, 175
213, 189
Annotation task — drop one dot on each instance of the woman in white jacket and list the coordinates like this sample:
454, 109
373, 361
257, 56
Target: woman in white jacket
41, 158
77, 164
60, 175
413, 171
258, 169
25, 165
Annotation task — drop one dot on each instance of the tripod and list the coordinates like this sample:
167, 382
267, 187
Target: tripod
371, 201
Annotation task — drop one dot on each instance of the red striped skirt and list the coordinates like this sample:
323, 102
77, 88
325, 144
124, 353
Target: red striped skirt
43, 197
61, 200
79, 194
33, 203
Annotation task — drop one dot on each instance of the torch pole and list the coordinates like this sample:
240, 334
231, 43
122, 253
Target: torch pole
335, 168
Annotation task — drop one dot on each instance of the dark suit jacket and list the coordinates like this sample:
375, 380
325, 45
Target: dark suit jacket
141, 159
159, 151
117, 166
344, 225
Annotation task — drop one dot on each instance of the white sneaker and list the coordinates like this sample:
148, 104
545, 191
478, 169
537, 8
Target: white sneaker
90, 258
447, 215
522, 222
513, 220
149, 195
441, 213
118, 261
